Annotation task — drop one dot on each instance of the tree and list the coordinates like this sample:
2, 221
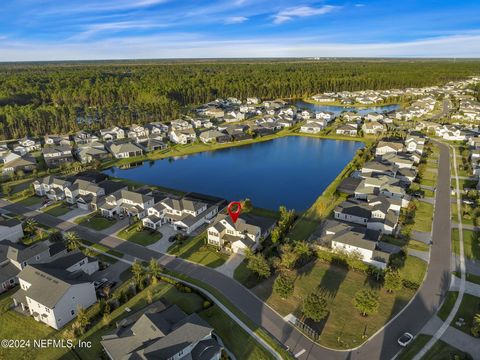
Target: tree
82, 320
154, 270
30, 225
258, 264
392, 281
137, 271
284, 284
247, 205
315, 306
288, 257
366, 301
72, 239
275, 235
475, 330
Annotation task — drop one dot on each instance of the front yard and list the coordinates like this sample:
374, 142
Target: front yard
195, 249
139, 235
423, 217
95, 221
30, 201
57, 209
345, 327
471, 243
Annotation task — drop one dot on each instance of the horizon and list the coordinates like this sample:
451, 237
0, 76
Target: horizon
163, 29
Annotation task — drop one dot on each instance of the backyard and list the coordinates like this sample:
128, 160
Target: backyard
340, 286
194, 249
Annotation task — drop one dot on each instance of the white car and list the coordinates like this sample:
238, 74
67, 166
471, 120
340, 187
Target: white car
405, 339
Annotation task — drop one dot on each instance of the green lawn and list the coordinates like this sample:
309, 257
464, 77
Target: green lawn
423, 217
234, 337
414, 269
195, 249
471, 243
415, 346
468, 308
443, 351
428, 193
30, 201
142, 237
244, 276
95, 222
344, 327
447, 305
467, 220
57, 209
418, 245
16, 326
469, 277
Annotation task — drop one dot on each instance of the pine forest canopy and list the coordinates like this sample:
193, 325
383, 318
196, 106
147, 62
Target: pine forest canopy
41, 98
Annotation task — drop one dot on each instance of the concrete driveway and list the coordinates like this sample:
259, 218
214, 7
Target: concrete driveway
112, 272
73, 214
228, 268
163, 244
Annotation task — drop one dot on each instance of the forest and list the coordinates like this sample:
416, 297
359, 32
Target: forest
48, 98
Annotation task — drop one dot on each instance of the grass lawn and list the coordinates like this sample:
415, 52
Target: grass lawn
468, 308
242, 345
428, 193
30, 201
447, 305
443, 351
415, 346
418, 245
344, 327
465, 220
142, 237
244, 276
57, 209
470, 277
95, 222
423, 217
188, 302
195, 249
16, 326
471, 243
414, 269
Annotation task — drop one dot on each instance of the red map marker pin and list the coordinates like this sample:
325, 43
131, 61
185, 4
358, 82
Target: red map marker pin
234, 213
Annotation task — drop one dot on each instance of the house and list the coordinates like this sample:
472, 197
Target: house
94, 151
313, 126
183, 136
52, 294
401, 160
29, 145
56, 140
214, 112
375, 167
359, 241
373, 116
180, 124
52, 187
124, 150
15, 256
25, 163
157, 128
253, 101
387, 147
209, 136
137, 132
152, 143
164, 333
112, 133
9, 156
351, 116
184, 214
82, 137
82, 193
323, 98
373, 128
383, 185
126, 202
10, 229
347, 129
57, 155
237, 237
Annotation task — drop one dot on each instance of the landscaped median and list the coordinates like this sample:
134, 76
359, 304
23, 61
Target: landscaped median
137, 234
95, 221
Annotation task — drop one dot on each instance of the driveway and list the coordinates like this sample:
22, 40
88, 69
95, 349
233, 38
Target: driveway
112, 272
73, 214
163, 244
228, 268
424, 237
119, 225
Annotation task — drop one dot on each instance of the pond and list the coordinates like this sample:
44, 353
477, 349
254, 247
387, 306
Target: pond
291, 171
338, 109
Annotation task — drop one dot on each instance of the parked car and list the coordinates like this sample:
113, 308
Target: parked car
99, 283
172, 238
418, 194
405, 339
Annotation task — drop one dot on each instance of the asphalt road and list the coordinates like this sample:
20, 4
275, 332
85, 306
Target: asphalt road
382, 346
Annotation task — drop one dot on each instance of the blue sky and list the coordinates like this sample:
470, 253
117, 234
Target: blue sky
135, 29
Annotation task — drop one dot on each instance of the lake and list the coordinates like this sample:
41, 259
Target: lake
338, 109
291, 171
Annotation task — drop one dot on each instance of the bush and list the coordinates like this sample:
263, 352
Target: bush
284, 284
206, 304
412, 285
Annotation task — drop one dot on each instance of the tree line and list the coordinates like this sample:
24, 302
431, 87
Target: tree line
36, 99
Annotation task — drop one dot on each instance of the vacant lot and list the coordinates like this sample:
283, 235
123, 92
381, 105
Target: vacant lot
57, 209
141, 237
194, 249
95, 222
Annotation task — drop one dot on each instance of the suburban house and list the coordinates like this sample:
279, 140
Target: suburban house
124, 150
112, 133
313, 126
180, 124
82, 193
82, 137
387, 147
184, 214
136, 132
57, 155
347, 129
165, 333
10, 229
25, 163
51, 187
56, 140
184, 136
8, 156
236, 237
373, 128
209, 136
356, 240
28, 145
125, 202
52, 294
383, 185
87, 153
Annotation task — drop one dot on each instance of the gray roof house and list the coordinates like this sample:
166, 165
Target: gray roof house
123, 150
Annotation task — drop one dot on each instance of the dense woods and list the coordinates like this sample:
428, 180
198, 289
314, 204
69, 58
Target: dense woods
36, 99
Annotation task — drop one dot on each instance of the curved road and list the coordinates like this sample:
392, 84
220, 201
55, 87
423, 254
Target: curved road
382, 346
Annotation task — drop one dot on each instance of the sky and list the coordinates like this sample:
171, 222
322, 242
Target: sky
35, 30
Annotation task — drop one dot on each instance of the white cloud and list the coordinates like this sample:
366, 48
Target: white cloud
302, 11
359, 5
235, 20
93, 29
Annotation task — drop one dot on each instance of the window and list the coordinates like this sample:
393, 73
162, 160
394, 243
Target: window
72, 312
47, 310
12, 281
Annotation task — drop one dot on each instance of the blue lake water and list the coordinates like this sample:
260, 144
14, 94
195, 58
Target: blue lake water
291, 171
338, 109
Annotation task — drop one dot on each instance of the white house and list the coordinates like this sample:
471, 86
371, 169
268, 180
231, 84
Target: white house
127, 202
10, 229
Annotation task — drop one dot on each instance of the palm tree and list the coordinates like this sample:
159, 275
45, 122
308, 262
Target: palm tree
72, 239
30, 225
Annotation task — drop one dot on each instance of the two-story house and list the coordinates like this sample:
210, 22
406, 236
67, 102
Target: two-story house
57, 155
126, 202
